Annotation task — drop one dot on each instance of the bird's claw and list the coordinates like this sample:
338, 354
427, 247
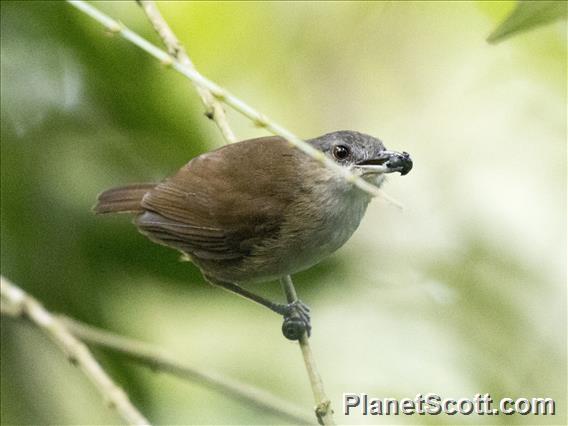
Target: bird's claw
296, 320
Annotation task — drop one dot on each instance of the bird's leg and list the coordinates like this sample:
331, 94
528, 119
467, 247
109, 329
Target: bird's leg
296, 314
297, 321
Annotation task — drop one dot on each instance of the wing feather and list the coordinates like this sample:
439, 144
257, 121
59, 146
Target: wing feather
223, 203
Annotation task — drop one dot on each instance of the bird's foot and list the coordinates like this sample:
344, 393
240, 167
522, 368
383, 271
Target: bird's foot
296, 320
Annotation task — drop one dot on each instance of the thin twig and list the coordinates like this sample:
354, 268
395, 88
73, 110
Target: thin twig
160, 361
19, 303
324, 412
177, 51
213, 108
183, 64
224, 96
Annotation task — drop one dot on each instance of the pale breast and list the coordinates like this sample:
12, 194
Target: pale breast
320, 212
316, 226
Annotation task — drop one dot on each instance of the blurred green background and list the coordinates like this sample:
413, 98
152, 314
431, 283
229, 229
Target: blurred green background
463, 292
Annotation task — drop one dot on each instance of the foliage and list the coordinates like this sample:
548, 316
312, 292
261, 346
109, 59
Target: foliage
463, 292
528, 15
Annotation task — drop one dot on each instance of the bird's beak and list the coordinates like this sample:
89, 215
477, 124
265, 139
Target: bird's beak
386, 162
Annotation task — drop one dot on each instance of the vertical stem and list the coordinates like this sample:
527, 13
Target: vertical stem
323, 409
213, 108
208, 90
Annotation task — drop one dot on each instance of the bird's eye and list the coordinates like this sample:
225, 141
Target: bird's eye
341, 152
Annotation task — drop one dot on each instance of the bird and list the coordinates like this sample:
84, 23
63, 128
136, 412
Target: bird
258, 210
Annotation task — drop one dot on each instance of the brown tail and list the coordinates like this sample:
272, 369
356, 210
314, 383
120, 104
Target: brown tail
124, 199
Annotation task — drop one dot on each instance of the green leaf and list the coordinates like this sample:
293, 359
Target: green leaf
528, 15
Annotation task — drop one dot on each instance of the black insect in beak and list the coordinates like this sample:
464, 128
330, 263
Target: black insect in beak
387, 162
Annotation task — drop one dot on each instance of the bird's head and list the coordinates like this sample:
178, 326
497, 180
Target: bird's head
364, 155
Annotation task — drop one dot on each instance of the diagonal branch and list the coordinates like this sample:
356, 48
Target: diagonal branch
159, 360
20, 304
229, 99
213, 108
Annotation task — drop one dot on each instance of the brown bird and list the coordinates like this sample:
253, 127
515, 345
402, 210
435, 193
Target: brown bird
258, 210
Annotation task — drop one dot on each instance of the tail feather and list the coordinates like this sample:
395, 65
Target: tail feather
124, 199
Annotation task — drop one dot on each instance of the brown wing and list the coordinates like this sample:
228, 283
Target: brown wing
223, 203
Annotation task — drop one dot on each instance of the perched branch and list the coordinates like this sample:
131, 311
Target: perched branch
19, 304
176, 50
222, 95
160, 361
323, 408
213, 108
210, 93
